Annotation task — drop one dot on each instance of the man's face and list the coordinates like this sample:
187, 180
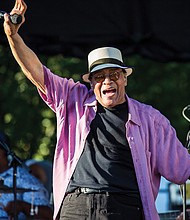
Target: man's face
109, 86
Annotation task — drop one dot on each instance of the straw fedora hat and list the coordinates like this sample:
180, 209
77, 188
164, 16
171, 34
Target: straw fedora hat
105, 57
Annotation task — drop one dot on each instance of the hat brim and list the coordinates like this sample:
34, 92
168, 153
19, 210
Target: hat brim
85, 77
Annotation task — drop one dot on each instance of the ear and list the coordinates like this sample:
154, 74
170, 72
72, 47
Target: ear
125, 79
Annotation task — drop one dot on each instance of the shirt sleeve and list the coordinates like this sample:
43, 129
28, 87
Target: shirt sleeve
173, 159
59, 90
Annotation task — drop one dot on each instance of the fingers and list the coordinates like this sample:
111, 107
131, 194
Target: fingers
9, 28
19, 7
179, 217
6, 17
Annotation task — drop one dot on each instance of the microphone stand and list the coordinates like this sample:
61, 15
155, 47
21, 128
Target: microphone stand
14, 188
188, 148
14, 161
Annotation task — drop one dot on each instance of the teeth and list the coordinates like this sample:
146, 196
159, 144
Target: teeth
108, 91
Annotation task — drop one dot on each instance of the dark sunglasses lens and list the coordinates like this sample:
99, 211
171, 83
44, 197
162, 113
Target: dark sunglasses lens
99, 78
114, 76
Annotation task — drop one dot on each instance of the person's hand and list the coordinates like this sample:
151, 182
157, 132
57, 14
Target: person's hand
20, 9
180, 217
9, 208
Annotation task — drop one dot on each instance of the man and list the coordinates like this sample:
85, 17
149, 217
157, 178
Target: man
42, 170
111, 150
31, 198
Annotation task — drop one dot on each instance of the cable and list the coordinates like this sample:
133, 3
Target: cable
183, 112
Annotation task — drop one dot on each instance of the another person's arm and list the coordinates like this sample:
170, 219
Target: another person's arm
41, 212
26, 58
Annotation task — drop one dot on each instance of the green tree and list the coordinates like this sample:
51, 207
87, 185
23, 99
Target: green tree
32, 125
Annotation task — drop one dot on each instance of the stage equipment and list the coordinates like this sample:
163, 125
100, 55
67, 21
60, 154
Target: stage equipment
14, 161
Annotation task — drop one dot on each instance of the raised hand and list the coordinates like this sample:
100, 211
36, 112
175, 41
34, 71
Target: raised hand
20, 9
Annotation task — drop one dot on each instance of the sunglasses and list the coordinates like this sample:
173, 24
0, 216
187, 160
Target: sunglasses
100, 77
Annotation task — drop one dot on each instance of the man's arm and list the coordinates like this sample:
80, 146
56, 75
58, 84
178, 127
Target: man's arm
25, 57
42, 212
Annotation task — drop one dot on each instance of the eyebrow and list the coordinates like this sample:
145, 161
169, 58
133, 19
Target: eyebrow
102, 71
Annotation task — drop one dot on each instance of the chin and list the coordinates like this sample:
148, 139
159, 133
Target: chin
108, 104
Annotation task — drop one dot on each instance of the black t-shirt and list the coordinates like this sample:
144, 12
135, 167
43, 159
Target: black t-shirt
106, 162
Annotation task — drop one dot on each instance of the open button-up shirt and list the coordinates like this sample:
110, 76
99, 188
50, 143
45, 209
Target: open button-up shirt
155, 148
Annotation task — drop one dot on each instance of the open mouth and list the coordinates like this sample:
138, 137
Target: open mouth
109, 91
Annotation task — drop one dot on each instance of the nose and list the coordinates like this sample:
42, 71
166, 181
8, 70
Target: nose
107, 79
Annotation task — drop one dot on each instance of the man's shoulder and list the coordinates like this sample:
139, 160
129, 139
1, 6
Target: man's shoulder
143, 107
145, 111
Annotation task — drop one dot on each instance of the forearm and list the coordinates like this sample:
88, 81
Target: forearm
40, 212
28, 61
26, 58
43, 212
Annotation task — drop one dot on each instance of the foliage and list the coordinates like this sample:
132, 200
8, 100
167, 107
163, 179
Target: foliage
165, 86
32, 125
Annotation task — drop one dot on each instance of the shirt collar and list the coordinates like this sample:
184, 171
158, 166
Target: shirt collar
133, 115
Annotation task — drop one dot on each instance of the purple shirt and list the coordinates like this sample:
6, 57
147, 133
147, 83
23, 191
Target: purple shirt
155, 148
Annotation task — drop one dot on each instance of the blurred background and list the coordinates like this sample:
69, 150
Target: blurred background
153, 36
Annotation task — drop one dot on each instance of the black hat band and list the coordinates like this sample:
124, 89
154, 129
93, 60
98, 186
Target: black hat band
104, 61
